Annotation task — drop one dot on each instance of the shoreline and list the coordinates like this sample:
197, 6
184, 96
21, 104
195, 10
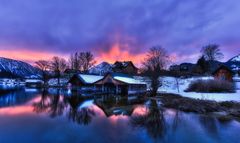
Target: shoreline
224, 111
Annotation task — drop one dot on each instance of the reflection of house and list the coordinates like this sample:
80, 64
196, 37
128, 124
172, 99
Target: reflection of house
121, 84
118, 105
34, 83
223, 73
83, 81
126, 67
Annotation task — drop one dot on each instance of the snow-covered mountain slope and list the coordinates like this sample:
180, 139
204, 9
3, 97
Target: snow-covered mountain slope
235, 59
234, 63
14, 68
101, 69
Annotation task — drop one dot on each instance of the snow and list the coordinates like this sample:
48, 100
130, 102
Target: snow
236, 79
89, 79
236, 59
101, 69
18, 68
33, 81
54, 81
170, 86
238, 85
128, 80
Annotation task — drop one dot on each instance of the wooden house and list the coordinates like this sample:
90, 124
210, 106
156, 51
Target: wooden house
223, 73
84, 81
126, 67
121, 84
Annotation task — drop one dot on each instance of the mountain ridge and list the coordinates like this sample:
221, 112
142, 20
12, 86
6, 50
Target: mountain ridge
15, 68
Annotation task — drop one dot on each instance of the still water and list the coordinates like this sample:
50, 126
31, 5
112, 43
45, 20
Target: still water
37, 116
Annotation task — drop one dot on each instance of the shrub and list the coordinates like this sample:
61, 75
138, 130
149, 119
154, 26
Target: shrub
211, 86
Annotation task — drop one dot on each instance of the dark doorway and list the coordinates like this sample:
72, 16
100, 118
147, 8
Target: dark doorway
124, 90
110, 88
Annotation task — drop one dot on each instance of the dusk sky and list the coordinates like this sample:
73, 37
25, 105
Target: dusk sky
117, 29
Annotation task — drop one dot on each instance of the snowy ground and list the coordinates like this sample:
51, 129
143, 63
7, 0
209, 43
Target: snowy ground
170, 86
54, 82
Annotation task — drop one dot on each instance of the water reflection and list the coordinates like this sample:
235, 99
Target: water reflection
12, 97
56, 105
52, 104
210, 125
153, 121
80, 115
47, 113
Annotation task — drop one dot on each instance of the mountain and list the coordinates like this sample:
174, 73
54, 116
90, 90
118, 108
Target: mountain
234, 63
10, 68
101, 69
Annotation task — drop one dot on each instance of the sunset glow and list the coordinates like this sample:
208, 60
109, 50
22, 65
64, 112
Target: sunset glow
118, 54
27, 55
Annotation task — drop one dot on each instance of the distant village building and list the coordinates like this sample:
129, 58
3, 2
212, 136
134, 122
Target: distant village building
187, 67
126, 67
53, 82
121, 84
84, 81
223, 73
71, 71
174, 68
34, 83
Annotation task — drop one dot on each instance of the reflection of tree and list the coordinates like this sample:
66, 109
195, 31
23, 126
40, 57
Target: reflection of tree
42, 105
176, 120
153, 121
55, 106
82, 115
209, 124
50, 103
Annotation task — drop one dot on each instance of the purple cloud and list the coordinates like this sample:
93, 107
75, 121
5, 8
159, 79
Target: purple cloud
182, 27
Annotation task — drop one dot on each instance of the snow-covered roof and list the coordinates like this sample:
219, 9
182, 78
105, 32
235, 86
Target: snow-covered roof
89, 79
127, 79
33, 80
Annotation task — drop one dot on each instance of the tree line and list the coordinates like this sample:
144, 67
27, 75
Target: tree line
156, 60
77, 62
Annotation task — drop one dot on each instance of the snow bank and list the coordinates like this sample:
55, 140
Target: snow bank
170, 86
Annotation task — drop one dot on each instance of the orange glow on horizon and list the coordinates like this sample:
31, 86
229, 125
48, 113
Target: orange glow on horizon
27, 56
117, 54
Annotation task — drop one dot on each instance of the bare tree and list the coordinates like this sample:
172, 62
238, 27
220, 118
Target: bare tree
74, 62
43, 66
86, 60
155, 61
82, 61
58, 65
212, 52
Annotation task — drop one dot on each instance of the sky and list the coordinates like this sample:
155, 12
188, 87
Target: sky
113, 30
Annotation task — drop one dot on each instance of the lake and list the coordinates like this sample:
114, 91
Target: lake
53, 115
